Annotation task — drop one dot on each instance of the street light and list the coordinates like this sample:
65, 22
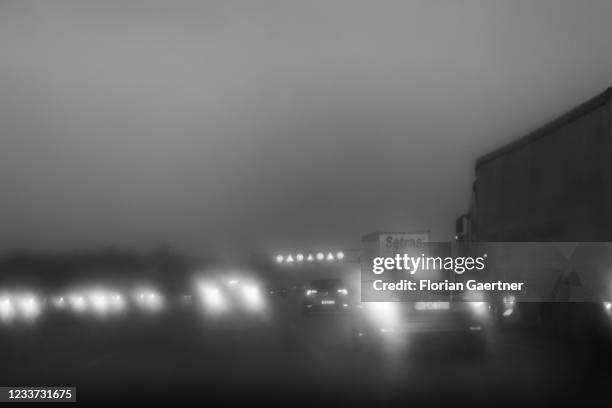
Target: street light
340, 255
330, 257
299, 257
320, 256
279, 258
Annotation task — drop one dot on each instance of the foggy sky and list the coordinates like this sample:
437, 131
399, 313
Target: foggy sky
271, 125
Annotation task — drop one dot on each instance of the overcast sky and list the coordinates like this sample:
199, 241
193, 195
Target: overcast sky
265, 125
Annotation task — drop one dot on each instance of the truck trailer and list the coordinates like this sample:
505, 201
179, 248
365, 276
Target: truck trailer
552, 185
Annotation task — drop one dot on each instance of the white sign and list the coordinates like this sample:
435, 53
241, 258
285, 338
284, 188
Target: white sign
391, 244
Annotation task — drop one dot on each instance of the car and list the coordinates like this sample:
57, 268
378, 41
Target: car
380, 325
326, 296
238, 296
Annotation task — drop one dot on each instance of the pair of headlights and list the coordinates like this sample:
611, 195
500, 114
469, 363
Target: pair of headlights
19, 307
215, 299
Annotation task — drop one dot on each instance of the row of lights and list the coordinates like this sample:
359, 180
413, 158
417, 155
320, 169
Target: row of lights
319, 256
100, 301
215, 297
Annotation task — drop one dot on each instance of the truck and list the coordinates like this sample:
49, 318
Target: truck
552, 185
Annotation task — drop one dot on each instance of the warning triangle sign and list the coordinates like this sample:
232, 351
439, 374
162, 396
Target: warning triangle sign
573, 279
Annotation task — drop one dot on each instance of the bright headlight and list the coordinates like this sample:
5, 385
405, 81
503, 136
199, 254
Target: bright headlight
77, 303
29, 306
480, 308
212, 298
384, 314
252, 298
20, 306
7, 309
104, 302
98, 302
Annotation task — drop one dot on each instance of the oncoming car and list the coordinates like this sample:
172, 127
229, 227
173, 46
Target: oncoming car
326, 295
221, 296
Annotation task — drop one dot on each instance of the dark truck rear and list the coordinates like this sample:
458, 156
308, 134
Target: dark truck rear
553, 185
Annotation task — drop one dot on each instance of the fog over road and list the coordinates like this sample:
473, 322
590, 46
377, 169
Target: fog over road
232, 126
290, 357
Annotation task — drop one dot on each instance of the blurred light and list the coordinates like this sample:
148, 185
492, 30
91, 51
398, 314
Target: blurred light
340, 255
279, 259
252, 298
117, 302
59, 302
29, 307
320, 256
104, 302
330, 257
310, 258
99, 303
310, 292
7, 310
233, 282
77, 303
509, 300
607, 306
383, 314
289, 259
343, 291
212, 298
479, 307
149, 300
508, 312
299, 257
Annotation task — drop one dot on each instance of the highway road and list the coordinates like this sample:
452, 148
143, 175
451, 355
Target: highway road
288, 357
